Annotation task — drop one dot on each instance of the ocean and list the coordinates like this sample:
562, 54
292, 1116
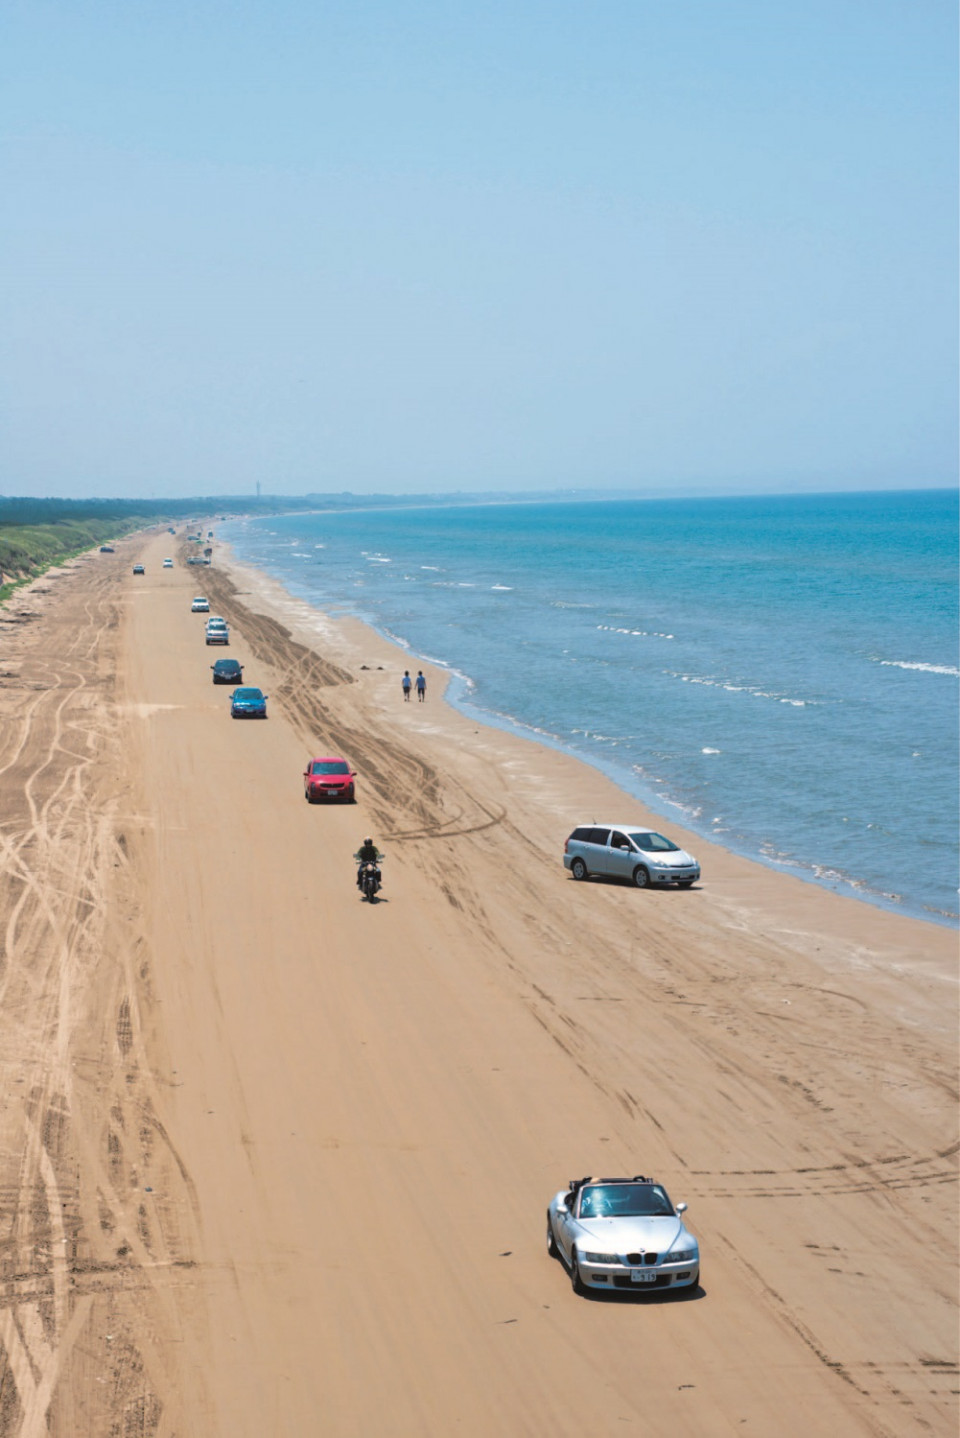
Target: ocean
778, 674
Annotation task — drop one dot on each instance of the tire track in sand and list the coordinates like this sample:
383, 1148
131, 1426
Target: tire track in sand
87, 1265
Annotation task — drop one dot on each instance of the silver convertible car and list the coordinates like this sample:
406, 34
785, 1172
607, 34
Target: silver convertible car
621, 1233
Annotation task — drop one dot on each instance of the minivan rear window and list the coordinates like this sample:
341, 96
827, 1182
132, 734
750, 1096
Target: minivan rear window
587, 835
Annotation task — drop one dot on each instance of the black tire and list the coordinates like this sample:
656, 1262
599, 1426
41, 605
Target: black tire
641, 877
579, 869
576, 1282
684, 883
552, 1249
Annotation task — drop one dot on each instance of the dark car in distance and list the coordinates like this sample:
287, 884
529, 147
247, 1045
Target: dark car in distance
227, 671
139, 569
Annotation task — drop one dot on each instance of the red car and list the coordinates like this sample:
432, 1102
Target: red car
329, 779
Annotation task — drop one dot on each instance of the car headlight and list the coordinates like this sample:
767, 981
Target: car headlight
683, 1255
599, 1258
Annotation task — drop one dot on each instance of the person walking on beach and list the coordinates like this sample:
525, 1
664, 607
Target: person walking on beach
405, 681
421, 686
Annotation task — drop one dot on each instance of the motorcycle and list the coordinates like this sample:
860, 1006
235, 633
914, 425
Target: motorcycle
370, 880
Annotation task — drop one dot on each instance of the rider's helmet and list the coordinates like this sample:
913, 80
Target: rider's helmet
368, 840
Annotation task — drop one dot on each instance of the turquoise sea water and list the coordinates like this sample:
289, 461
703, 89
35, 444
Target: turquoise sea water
780, 674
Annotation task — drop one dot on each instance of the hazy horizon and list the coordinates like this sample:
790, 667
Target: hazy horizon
466, 497
674, 249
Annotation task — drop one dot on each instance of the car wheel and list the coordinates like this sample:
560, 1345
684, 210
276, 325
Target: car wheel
576, 1282
641, 877
684, 883
552, 1248
578, 869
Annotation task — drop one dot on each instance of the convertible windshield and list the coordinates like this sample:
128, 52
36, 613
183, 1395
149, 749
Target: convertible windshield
625, 1200
653, 843
330, 766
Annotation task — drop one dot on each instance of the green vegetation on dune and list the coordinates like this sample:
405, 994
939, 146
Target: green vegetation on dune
26, 550
36, 534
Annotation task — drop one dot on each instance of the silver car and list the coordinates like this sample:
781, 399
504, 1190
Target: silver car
627, 851
217, 631
622, 1233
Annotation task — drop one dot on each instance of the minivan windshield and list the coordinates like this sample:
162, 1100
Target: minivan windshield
654, 843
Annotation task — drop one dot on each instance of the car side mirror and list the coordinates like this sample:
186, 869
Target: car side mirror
681, 1208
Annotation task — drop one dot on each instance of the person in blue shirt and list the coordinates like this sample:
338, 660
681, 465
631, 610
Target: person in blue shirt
421, 686
405, 681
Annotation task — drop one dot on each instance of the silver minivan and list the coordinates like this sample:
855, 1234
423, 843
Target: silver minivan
628, 851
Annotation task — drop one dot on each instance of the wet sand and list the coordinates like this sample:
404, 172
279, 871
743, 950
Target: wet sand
276, 1162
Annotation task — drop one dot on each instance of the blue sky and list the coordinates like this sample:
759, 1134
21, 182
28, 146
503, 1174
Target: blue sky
665, 245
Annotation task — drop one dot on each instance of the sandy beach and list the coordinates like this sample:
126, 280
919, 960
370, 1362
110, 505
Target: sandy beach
275, 1162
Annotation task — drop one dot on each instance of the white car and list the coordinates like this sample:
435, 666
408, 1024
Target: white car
621, 1233
628, 851
217, 631
200, 605
168, 564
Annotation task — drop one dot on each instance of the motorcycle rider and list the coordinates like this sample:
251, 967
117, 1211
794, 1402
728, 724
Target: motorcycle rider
368, 853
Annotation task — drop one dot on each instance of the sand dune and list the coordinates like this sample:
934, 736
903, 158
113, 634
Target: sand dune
276, 1162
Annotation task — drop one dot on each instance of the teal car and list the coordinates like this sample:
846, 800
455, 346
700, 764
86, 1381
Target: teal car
248, 703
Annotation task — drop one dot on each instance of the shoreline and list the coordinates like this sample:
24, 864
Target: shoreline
284, 604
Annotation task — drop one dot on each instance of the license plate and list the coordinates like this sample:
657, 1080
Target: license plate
642, 1275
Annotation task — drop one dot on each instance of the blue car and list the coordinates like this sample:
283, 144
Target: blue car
248, 704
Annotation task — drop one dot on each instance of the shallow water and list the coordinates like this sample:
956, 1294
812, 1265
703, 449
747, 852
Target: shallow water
778, 673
